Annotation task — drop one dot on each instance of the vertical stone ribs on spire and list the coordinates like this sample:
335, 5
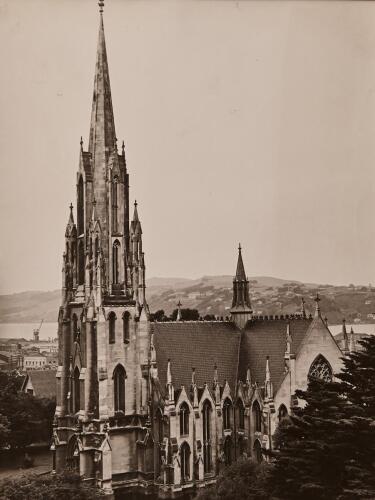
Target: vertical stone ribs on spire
241, 298
240, 271
241, 306
102, 127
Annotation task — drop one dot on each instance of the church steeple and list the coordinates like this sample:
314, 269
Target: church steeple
102, 126
241, 307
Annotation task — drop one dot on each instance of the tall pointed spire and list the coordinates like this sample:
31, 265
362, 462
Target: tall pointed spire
102, 127
241, 306
240, 271
345, 336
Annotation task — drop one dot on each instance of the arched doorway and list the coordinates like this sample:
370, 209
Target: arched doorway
72, 456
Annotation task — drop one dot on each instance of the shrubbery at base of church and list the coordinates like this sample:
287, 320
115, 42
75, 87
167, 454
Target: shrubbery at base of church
48, 487
243, 480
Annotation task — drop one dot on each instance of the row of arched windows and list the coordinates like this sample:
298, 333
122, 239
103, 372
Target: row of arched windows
125, 327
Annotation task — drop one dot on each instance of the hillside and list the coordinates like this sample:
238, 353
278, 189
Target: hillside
213, 295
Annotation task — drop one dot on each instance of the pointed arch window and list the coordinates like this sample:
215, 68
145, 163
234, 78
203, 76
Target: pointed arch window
126, 327
112, 327
206, 414
76, 391
115, 204
80, 207
282, 413
119, 376
184, 419
321, 369
116, 262
81, 263
257, 451
227, 412
257, 417
241, 414
185, 462
74, 327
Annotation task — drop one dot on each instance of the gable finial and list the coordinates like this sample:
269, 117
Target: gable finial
178, 318
317, 307
101, 6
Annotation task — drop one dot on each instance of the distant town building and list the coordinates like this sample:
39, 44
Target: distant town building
33, 361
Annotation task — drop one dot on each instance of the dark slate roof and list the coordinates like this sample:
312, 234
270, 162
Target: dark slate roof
199, 345
262, 338
43, 382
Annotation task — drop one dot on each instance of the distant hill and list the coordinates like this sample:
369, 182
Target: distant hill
213, 295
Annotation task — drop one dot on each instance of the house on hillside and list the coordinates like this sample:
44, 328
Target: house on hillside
40, 383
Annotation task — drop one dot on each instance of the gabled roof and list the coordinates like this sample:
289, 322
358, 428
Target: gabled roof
262, 338
199, 345
43, 382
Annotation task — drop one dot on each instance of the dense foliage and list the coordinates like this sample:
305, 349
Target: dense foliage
243, 480
48, 487
24, 419
326, 449
186, 315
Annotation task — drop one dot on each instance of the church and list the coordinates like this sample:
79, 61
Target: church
160, 407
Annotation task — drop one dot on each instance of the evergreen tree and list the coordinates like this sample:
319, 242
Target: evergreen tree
326, 449
358, 386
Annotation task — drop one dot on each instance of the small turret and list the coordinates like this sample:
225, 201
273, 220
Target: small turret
345, 337
241, 311
268, 387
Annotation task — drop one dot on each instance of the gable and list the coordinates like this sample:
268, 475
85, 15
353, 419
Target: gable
267, 337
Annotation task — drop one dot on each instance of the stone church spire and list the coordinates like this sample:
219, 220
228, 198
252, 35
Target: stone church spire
102, 127
241, 307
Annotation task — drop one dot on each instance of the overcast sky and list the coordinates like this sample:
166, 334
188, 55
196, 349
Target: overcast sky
243, 121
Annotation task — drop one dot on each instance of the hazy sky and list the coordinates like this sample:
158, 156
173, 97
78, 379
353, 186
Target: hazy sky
243, 121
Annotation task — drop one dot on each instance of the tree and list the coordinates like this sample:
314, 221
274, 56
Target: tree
48, 487
243, 480
4, 431
358, 386
326, 449
159, 315
29, 418
186, 315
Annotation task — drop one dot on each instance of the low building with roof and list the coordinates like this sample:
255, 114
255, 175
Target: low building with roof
34, 360
40, 383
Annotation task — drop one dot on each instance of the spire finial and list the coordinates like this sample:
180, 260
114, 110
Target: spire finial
303, 309
101, 6
81, 143
179, 311
239, 247
123, 148
317, 308
71, 207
